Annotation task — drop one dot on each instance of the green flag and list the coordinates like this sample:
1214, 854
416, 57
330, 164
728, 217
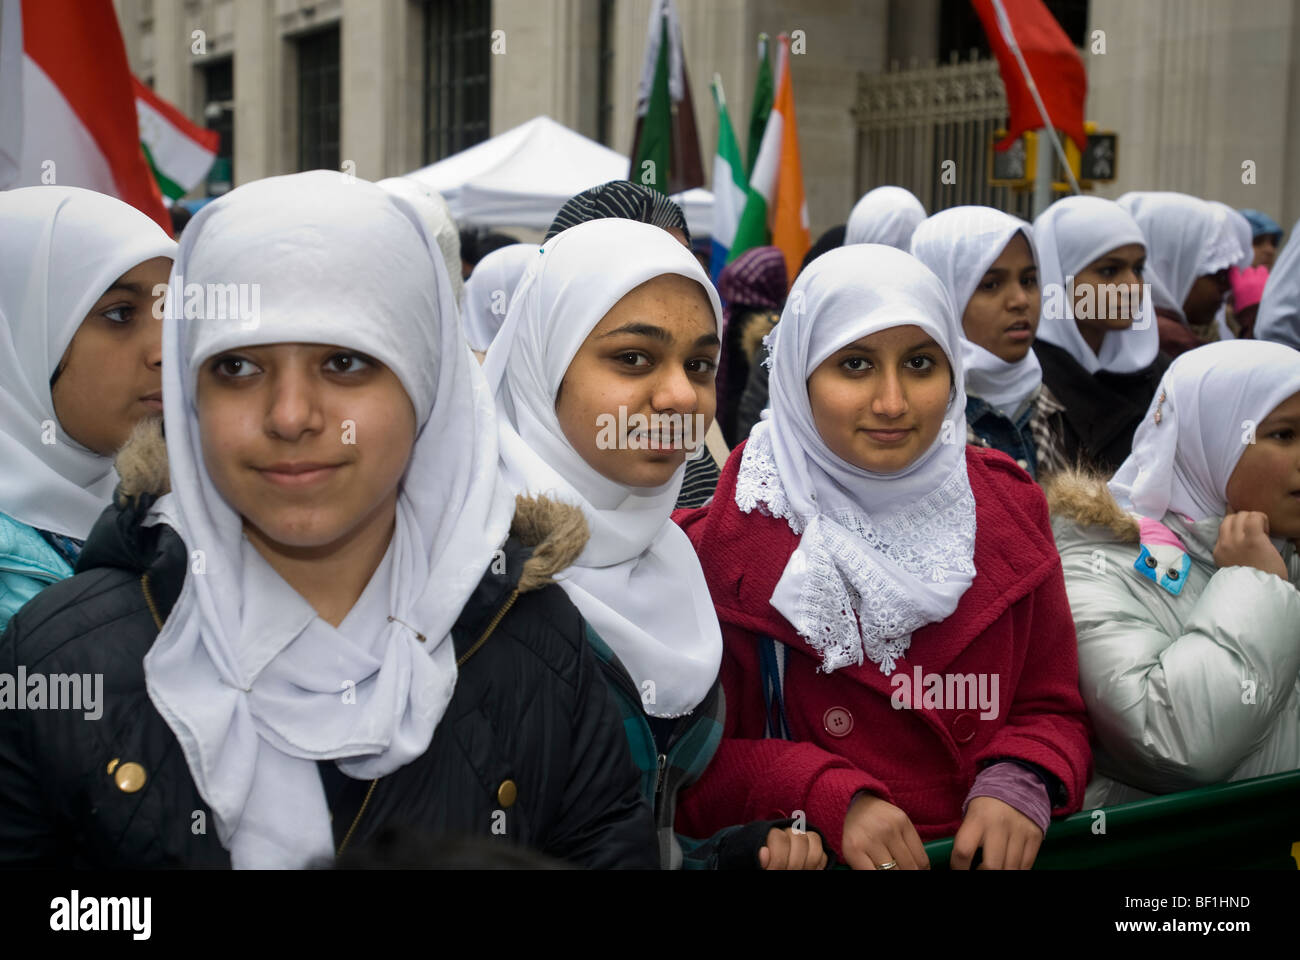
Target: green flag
654, 140
762, 104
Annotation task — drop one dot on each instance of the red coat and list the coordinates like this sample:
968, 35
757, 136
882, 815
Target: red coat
1013, 621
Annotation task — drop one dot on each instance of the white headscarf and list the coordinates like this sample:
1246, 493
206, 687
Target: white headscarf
1279, 310
437, 219
489, 289
960, 244
256, 687
1210, 400
889, 552
638, 582
1186, 238
1069, 235
60, 250
885, 215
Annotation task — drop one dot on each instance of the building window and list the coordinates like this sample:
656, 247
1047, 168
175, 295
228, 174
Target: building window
605, 74
219, 115
457, 75
960, 30
318, 100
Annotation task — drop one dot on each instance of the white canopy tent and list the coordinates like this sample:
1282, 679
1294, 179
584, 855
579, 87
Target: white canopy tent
522, 177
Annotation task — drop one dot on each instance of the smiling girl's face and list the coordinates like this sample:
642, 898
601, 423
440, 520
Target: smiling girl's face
654, 353
879, 402
110, 377
1267, 477
307, 442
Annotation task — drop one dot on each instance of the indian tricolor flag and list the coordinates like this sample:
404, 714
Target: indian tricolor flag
67, 107
179, 152
729, 186
775, 205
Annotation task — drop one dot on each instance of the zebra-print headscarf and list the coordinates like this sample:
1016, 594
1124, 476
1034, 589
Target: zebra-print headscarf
623, 200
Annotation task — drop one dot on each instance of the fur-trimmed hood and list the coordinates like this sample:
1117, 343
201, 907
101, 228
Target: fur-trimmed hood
1082, 497
556, 531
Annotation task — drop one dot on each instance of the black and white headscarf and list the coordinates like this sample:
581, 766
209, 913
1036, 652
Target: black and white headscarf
624, 200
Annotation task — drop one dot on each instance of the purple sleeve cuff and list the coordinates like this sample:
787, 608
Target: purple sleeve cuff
1014, 785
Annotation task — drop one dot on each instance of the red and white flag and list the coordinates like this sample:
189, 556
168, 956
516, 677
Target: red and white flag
1049, 58
67, 104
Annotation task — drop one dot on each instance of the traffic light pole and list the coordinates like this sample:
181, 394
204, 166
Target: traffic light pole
1043, 194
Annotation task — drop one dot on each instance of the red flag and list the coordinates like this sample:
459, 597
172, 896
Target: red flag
79, 118
1053, 62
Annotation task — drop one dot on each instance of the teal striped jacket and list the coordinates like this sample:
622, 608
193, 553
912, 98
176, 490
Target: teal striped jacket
693, 742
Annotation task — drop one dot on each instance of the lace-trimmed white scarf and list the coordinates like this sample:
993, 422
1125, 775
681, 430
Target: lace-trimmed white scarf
880, 555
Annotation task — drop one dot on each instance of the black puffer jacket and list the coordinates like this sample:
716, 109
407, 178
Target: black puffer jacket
531, 749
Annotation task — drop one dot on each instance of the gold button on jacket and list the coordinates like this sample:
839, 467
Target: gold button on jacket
506, 793
129, 777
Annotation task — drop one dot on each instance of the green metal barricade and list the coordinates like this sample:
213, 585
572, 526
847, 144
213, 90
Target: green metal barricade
1250, 824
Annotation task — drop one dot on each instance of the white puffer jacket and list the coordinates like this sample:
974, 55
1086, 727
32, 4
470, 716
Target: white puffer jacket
1191, 673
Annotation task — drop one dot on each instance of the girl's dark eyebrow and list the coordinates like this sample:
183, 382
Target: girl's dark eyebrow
921, 345
658, 333
640, 330
126, 286
1281, 420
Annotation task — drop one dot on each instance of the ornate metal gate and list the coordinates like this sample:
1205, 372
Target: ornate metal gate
921, 126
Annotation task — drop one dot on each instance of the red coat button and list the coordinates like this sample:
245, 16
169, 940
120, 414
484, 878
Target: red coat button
838, 722
963, 727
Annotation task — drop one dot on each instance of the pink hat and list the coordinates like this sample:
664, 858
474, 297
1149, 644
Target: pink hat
1247, 286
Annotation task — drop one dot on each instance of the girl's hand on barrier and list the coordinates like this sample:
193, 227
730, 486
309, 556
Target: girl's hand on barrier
878, 833
792, 849
1010, 840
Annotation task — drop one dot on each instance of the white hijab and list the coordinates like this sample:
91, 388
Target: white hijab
256, 687
1210, 399
60, 250
638, 582
436, 217
489, 289
960, 244
888, 552
1186, 238
1279, 310
1069, 235
885, 215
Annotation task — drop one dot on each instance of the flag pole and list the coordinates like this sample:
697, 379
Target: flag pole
1004, 25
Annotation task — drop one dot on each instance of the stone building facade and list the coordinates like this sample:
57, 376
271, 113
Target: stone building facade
1194, 88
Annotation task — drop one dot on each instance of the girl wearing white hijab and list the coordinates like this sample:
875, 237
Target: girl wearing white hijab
857, 549
1097, 344
1183, 576
336, 498
80, 349
488, 291
885, 215
1190, 246
1279, 309
986, 260
581, 424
